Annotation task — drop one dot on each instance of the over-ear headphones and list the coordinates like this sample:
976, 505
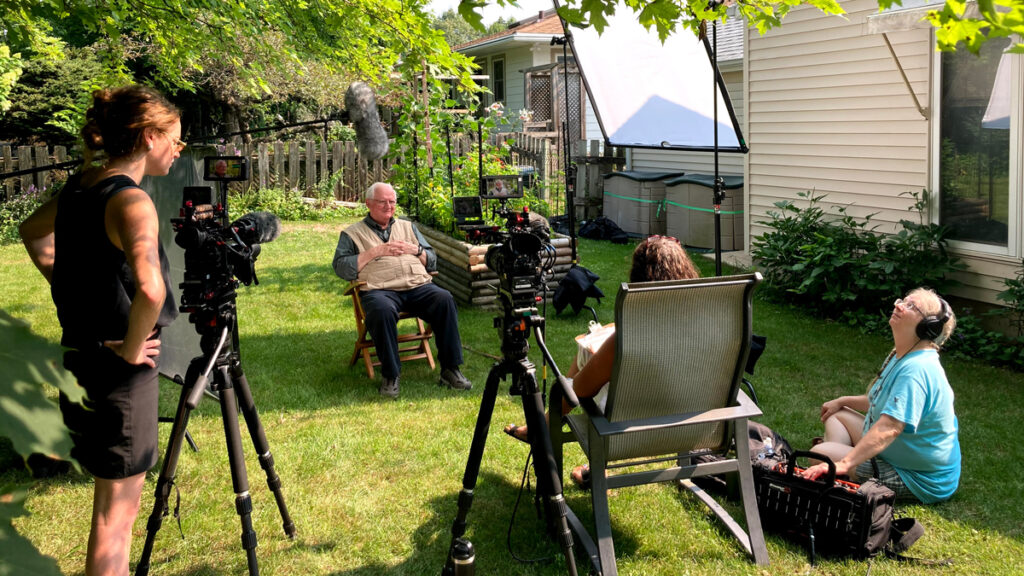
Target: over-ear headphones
930, 327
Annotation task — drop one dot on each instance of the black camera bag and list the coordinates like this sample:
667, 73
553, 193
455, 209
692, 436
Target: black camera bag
834, 517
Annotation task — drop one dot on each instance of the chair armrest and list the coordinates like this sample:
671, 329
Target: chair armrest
744, 408
353, 287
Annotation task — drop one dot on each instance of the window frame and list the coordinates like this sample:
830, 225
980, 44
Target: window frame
495, 79
1015, 208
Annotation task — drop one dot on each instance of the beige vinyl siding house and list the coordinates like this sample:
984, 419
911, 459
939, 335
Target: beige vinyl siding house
828, 110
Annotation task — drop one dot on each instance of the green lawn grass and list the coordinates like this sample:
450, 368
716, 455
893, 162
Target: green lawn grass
372, 484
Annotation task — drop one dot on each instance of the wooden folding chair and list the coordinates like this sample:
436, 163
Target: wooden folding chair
411, 346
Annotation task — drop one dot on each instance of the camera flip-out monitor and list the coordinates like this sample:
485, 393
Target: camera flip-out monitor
501, 186
225, 168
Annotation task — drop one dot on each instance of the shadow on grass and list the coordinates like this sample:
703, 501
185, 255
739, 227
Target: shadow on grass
487, 523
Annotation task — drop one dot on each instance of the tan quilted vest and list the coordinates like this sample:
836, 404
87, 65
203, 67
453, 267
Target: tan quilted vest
390, 272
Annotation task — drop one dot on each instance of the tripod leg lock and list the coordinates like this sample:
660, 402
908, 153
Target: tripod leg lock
267, 463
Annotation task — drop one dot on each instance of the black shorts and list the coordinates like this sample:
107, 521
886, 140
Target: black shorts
115, 429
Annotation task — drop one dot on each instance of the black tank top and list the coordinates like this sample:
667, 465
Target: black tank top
92, 283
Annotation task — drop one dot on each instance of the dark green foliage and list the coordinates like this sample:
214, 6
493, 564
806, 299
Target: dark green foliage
50, 99
972, 340
840, 267
287, 205
458, 31
1014, 297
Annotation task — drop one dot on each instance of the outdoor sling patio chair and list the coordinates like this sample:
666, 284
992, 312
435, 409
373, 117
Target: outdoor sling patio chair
674, 394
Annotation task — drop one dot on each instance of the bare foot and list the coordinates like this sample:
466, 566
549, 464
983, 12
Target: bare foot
517, 432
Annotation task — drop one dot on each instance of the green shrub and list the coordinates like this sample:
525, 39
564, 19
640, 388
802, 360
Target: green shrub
840, 267
14, 211
287, 205
971, 339
1014, 297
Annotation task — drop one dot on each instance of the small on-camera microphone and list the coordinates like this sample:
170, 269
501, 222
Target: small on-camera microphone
257, 227
371, 139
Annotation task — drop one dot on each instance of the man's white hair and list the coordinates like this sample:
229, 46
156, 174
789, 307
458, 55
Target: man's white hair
370, 192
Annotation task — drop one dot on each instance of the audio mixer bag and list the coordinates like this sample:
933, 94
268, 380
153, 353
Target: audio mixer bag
834, 517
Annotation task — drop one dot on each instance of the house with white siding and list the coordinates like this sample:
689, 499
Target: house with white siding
863, 109
526, 72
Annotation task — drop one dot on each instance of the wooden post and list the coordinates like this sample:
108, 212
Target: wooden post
24, 163
338, 166
279, 178
351, 172
293, 166
545, 177
264, 165
42, 159
310, 165
7, 163
325, 172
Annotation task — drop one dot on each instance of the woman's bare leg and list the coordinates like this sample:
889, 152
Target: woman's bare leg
114, 508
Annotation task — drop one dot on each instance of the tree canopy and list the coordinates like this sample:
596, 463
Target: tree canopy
458, 31
177, 42
956, 25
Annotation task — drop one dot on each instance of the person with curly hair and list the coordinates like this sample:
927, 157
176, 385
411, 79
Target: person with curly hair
657, 258
96, 243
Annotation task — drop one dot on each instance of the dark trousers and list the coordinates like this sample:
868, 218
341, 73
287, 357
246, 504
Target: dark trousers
432, 303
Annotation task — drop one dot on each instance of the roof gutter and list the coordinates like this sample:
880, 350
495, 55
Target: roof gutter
511, 39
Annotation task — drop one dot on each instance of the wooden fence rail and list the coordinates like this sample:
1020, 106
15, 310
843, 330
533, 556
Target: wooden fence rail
311, 165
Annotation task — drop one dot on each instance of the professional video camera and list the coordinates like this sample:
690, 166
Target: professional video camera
218, 256
521, 256
217, 252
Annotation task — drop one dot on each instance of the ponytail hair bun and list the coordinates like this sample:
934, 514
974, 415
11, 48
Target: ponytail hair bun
118, 118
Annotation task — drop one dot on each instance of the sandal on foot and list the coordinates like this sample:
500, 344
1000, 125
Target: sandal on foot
513, 431
581, 476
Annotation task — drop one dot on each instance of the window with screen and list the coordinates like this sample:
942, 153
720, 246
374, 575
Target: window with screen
974, 144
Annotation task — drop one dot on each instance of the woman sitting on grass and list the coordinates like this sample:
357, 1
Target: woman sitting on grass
905, 424
655, 259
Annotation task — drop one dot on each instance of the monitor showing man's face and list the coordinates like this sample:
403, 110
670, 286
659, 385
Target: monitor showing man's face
505, 186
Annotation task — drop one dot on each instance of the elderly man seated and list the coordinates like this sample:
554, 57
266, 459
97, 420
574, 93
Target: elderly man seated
393, 258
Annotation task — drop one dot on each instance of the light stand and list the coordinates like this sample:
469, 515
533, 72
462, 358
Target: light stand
719, 193
570, 166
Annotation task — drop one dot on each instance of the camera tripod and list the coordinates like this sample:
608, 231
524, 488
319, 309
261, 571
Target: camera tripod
219, 343
514, 363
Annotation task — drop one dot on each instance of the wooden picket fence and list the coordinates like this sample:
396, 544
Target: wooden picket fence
309, 165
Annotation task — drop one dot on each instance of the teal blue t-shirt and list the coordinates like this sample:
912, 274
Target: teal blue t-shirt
914, 390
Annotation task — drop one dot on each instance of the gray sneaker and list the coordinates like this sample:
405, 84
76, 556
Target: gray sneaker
389, 387
452, 378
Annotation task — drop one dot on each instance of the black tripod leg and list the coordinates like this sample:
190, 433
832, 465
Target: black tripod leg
188, 437
476, 453
239, 476
549, 481
259, 441
165, 482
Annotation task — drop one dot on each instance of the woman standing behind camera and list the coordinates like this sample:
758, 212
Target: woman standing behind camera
96, 243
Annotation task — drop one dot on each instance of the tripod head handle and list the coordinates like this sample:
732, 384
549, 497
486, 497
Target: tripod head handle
565, 383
